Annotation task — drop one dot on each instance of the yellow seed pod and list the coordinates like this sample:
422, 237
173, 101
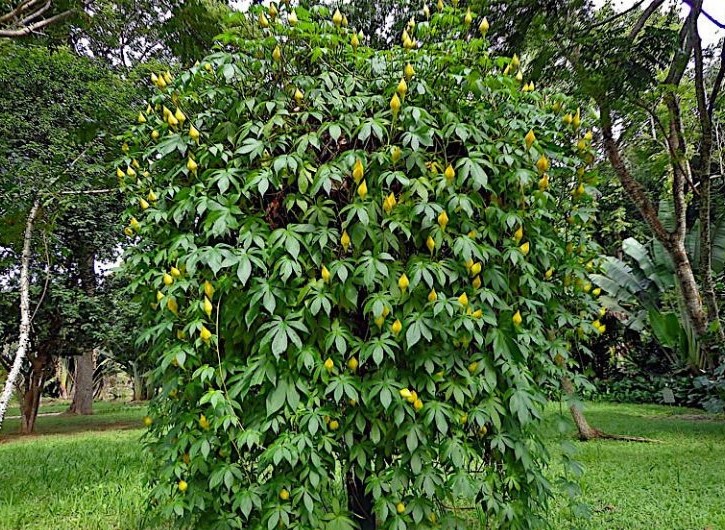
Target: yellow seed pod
172, 306
468, 18
449, 173
176, 273
362, 190
395, 153
352, 364
299, 96
463, 299
354, 41
431, 244
168, 279
263, 20
476, 282
515, 62
345, 240
180, 116
542, 164
194, 133
530, 138
475, 269
549, 273
329, 365
325, 274
208, 308
396, 327
395, 104
379, 321
432, 295
525, 248
402, 89
155, 134
544, 182
443, 219
408, 71
517, 319
191, 165
277, 54
337, 18
143, 204
519, 234
208, 289
403, 282
205, 334
292, 19
358, 171
484, 26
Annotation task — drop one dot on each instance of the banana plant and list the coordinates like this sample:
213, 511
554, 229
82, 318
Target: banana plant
637, 289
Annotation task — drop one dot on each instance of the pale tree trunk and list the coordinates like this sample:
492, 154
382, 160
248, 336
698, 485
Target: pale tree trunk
24, 337
61, 374
86, 363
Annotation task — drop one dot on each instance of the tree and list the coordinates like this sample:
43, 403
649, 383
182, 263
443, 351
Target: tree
60, 113
634, 66
352, 257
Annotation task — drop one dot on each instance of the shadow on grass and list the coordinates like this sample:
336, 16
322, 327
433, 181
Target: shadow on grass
107, 416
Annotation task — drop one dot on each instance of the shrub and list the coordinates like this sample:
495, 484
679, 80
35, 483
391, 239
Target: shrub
357, 271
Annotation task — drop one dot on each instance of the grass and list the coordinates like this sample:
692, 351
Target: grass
674, 485
85, 476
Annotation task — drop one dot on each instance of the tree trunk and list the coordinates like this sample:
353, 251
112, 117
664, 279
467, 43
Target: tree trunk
688, 288
61, 374
86, 363
584, 430
138, 383
359, 502
24, 337
33, 389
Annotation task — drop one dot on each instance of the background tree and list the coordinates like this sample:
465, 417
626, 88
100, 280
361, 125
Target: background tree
56, 156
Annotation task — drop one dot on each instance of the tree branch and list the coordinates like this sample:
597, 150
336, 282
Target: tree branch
27, 30
22, 6
643, 18
636, 191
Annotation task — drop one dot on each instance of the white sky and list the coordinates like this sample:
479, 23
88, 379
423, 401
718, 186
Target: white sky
709, 32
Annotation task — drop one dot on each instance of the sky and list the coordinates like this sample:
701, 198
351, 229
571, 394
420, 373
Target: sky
709, 32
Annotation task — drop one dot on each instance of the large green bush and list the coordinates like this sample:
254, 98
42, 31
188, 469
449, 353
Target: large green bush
355, 308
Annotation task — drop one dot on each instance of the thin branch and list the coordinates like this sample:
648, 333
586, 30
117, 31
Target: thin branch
22, 6
88, 192
616, 16
27, 30
36, 14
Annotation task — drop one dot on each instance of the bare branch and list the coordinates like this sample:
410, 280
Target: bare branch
35, 14
22, 7
27, 30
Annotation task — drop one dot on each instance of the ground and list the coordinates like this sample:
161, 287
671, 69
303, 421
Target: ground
87, 472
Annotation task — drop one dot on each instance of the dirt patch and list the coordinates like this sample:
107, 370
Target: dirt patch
716, 418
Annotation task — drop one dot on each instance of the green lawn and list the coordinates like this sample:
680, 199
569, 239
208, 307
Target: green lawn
74, 478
